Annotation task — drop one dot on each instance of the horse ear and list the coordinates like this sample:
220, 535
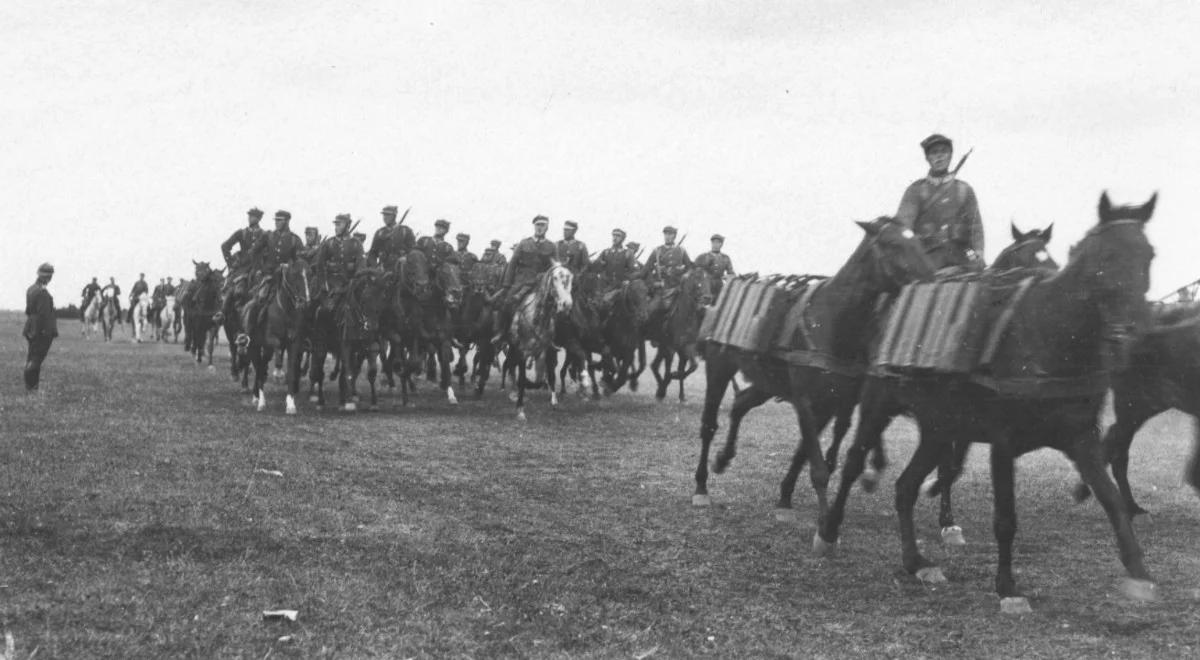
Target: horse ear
868, 227
1105, 206
1016, 233
1046, 233
194, 263
1148, 207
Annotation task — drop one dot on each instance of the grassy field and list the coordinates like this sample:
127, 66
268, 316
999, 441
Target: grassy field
136, 521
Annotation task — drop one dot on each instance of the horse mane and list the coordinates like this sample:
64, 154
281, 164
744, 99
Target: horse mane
1168, 316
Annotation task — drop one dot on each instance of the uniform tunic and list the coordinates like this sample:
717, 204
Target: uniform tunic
666, 264
274, 248
716, 264
616, 264
438, 250
466, 261
531, 258
340, 258
245, 237
389, 244
573, 254
943, 210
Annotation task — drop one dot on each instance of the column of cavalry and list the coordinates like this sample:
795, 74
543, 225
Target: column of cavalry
405, 306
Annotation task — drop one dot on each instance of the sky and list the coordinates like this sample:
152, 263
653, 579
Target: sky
136, 135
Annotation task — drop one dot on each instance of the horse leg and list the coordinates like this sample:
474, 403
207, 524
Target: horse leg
551, 358
519, 378
683, 374
1117, 442
460, 366
1087, 454
718, 371
808, 450
641, 365
293, 375
746, 400
344, 354
373, 360
445, 362
484, 353
932, 444
659, 357
261, 366
871, 421
316, 375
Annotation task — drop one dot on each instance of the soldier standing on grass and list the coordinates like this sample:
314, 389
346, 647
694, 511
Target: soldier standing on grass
41, 327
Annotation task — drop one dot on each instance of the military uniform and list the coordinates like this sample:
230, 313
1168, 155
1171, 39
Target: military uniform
41, 327
466, 258
390, 244
572, 253
438, 250
273, 249
339, 258
492, 255
717, 264
532, 257
666, 265
245, 238
139, 287
943, 212
312, 243
111, 290
616, 263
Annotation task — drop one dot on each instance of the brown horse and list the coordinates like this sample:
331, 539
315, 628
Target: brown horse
204, 304
1044, 387
677, 334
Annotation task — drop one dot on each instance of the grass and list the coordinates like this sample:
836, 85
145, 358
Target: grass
134, 522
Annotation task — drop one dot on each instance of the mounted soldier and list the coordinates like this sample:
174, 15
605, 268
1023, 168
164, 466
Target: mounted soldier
663, 271
436, 247
572, 253
340, 257
716, 263
466, 258
240, 267
492, 255
616, 263
635, 250
140, 287
312, 243
942, 210
391, 241
91, 290
532, 257
272, 250
111, 290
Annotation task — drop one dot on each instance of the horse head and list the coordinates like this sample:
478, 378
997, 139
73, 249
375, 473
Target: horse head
202, 269
294, 283
449, 282
1113, 261
636, 301
696, 284
1028, 250
414, 276
560, 280
892, 254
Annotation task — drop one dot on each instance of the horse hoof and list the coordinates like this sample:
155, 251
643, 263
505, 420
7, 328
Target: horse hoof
512, 396
291, 410
1015, 605
521, 416
821, 547
932, 575
211, 368
312, 398
350, 407
869, 480
953, 535
1081, 492
785, 515
701, 500
261, 405
1141, 591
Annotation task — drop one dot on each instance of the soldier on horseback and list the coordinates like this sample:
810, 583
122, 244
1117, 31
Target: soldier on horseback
635, 250
239, 265
312, 243
572, 253
942, 210
111, 290
492, 255
340, 257
157, 300
716, 263
436, 247
90, 291
140, 287
663, 271
616, 263
390, 242
271, 250
466, 258
533, 256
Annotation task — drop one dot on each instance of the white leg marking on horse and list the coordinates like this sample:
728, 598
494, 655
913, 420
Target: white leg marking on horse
553, 398
1139, 590
821, 547
450, 395
785, 515
261, 403
350, 407
1015, 605
521, 415
953, 535
869, 479
932, 575
927, 486
291, 405
701, 500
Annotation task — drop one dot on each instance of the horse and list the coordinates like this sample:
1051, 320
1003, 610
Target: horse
180, 292
1071, 330
229, 319
141, 316
621, 331
878, 404
287, 317
823, 381
531, 333
473, 325
579, 333
677, 333
352, 330
204, 305
91, 317
166, 320
412, 291
108, 315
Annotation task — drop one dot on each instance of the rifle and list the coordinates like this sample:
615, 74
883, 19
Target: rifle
962, 160
404, 216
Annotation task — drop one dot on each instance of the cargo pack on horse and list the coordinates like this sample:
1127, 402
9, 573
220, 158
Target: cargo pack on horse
204, 304
1039, 379
675, 332
1164, 374
530, 336
804, 339
288, 314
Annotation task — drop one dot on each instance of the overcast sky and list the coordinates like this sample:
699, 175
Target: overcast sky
137, 134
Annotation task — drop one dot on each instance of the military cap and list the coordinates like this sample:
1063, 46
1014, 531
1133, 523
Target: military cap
670, 230
633, 245
255, 212
342, 217
717, 237
46, 269
463, 237
570, 224
541, 219
311, 230
389, 209
283, 215
442, 222
495, 244
935, 139
619, 231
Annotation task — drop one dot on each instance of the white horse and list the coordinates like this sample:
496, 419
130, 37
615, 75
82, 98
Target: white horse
166, 320
91, 316
532, 332
141, 316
